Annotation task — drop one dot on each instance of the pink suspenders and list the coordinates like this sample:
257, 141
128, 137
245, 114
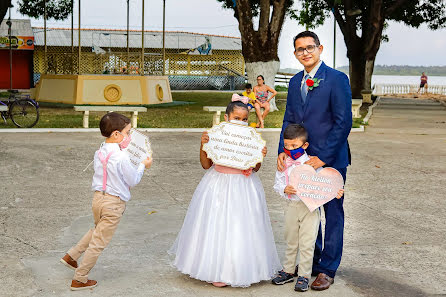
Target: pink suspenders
104, 162
289, 162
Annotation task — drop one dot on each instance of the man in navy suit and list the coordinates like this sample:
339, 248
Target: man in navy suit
325, 112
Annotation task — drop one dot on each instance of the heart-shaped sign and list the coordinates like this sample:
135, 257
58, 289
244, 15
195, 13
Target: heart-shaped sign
315, 188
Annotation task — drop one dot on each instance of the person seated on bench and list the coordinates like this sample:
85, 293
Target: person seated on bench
252, 100
261, 92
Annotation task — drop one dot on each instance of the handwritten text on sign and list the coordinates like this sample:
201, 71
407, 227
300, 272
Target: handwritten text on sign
138, 148
316, 188
234, 145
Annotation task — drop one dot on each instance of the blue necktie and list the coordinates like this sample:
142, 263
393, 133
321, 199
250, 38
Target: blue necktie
304, 88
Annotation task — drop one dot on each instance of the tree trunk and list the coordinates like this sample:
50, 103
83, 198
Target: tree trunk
369, 66
4, 5
357, 75
362, 51
259, 48
268, 70
361, 70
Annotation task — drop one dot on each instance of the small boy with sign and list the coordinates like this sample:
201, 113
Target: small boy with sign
301, 225
113, 177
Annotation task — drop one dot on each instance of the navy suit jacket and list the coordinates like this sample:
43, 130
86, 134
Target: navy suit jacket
326, 115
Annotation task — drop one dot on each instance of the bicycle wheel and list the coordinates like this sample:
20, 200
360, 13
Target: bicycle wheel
24, 113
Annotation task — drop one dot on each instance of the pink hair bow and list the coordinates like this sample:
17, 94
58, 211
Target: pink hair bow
243, 99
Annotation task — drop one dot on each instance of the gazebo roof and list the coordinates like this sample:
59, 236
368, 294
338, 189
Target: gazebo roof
118, 39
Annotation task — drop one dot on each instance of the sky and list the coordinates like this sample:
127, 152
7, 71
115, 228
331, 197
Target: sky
407, 46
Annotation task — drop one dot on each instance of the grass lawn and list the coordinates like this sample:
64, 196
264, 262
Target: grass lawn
180, 116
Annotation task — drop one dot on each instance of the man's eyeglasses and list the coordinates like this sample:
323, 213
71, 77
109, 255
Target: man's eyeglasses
310, 48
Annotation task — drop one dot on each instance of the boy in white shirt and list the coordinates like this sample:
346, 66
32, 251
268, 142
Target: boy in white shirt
113, 177
301, 225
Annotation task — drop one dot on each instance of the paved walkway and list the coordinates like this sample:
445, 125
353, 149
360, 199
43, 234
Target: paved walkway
394, 207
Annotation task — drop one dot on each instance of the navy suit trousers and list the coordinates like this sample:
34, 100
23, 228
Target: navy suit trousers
327, 260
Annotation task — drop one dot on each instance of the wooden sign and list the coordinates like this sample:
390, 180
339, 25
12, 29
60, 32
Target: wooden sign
316, 188
139, 147
234, 145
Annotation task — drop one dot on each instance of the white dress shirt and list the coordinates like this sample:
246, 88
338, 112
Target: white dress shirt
280, 180
312, 73
121, 174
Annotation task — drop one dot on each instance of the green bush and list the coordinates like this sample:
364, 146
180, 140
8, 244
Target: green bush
281, 89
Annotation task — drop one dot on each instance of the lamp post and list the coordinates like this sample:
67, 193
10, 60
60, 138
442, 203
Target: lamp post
141, 68
9, 23
334, 38
79, 41
128, 31
306, 11
72, 36
44, 37
164, 37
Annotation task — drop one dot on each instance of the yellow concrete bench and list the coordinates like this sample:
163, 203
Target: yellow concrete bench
356, 105
87, 109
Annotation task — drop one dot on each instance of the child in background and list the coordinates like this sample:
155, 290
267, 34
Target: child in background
250, 94
113, 176
301, 225
226, 237
252, 100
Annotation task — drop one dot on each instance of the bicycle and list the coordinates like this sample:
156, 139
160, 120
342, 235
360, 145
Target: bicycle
23, 111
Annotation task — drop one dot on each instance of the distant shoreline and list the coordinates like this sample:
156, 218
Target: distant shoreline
404, 70
398, 70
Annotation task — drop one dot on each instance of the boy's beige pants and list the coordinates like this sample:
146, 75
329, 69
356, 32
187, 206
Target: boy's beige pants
107, 212
301, 228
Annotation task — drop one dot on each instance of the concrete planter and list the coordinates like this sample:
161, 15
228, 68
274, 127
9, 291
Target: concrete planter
366, 96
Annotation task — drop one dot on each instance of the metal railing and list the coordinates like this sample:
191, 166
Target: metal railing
388, 89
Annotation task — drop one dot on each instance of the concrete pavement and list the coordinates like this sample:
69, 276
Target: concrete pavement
394, 233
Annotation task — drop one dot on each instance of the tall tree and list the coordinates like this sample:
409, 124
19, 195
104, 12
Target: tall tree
55, 9
259, 47
362, 23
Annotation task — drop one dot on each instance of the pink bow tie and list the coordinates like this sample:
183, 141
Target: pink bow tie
290, 162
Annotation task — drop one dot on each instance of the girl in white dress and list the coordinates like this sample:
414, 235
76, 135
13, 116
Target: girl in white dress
226, 237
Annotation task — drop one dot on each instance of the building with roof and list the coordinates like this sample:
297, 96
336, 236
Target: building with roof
192, 60
19, 55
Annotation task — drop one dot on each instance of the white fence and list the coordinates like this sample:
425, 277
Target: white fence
383, 89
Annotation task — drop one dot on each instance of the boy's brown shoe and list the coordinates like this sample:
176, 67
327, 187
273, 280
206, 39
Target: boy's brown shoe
77, 285
69, 262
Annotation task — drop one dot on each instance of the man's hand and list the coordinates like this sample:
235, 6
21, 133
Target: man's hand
204, 138
264, 151
290, 190
315, 162
281, 161
147, 162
